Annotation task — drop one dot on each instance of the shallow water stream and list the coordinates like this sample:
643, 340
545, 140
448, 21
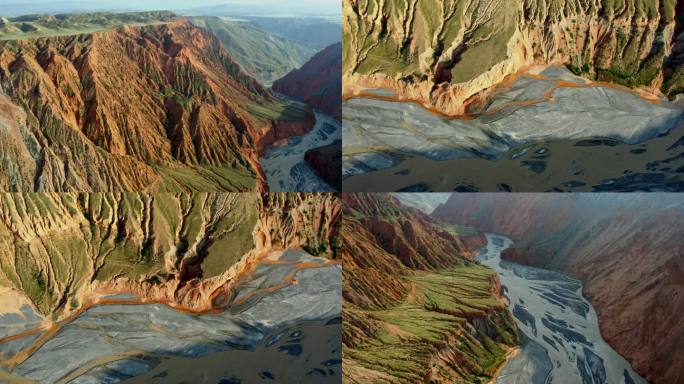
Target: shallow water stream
559, 328
285, 167
283, 330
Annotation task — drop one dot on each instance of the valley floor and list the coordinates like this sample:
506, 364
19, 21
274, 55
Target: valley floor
124, 337
543, 130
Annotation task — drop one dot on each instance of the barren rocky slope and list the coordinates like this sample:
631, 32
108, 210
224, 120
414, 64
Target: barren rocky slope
627, 250
183, 250
446, 54
318, 82
416, 307
160, 107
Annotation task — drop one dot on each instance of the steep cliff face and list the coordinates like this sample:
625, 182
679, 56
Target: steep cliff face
327, 161
416, 308
627, 250
446, 54
317, 83
181, 249
159, 107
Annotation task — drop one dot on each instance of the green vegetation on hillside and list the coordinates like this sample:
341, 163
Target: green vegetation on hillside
433, 317
454, 41
280, 110
264, 55
35, 26
100, 237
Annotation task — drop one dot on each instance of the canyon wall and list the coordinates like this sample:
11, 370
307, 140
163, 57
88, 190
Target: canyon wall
318, 82
626, 249
159, 107
447, 54
186, 250
327, 162
405, 320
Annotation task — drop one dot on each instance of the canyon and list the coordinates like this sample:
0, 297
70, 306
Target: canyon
285, 163
158, 107
311, 162
520, 96
562, 342
625, 249
447, 54
318, 82
417, 307
229, 264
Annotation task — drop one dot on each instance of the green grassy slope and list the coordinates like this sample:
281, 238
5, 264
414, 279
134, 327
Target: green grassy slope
265, 55
36, 26
442, 42
433, 323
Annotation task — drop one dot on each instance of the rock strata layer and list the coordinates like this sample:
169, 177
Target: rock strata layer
447, 54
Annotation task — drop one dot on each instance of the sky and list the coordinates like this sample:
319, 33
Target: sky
277, 7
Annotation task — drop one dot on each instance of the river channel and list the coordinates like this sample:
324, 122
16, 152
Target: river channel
562, 342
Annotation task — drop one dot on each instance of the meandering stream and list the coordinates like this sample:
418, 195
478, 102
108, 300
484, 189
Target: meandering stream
559, 328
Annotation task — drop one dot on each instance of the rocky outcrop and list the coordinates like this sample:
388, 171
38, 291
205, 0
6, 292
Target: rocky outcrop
287, 128
404, 319
327, 162
626, 249
136, 108
60, 250
317, 83
449, 54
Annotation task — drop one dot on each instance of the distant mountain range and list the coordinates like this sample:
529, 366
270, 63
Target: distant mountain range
222, 8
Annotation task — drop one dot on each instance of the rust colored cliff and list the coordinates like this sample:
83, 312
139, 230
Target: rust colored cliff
626, 249
160, 107
60, 250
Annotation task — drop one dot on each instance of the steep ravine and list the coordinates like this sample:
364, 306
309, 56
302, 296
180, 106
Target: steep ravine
626, 250
159, 107
59, 250
447, 54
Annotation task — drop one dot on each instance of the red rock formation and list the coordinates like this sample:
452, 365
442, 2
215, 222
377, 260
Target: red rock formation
413, 237
473, 243
113, 110
318, 83
385, 242
284, 129
627, 250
